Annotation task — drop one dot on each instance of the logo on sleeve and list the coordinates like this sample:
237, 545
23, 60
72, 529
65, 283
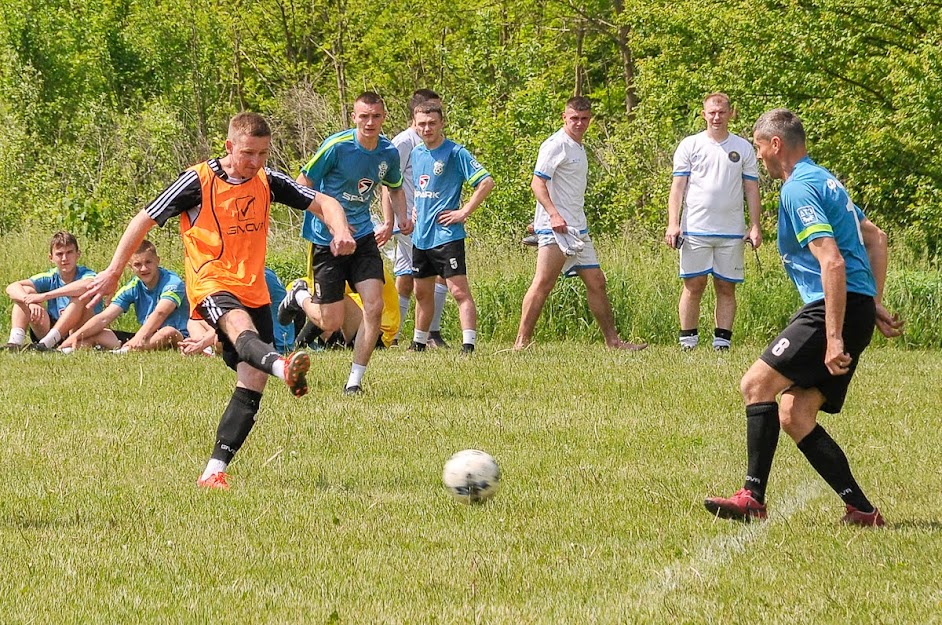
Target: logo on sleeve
806, 215
734, 156
438, 168
475, 165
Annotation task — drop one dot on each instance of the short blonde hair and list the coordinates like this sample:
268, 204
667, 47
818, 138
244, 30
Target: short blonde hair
248, 124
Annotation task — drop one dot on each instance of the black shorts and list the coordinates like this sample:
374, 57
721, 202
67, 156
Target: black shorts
332, 273
214, 306
447, 260
798, 351
123, 336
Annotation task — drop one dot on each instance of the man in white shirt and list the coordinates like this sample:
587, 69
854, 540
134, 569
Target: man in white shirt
559, 183
713, 170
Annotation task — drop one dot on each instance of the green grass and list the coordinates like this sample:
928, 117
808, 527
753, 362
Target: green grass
337, 513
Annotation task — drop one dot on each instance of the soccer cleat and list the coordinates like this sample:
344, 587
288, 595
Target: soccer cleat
435, 340
721, 348
467, 348
13, 347
416, 347
352, 391
214, 481
39, 347
289, 308
742, 506
531, 240
863, 519
296, 366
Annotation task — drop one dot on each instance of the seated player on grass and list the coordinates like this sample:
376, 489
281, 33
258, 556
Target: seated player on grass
159, 300
60, 287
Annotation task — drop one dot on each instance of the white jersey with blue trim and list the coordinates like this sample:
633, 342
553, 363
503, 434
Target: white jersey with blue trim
563, 164
814, 204
438, 176
713, 203
405, 142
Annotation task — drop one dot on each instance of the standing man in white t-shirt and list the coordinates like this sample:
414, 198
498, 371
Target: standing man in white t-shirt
713, 170
559, 182
404, 142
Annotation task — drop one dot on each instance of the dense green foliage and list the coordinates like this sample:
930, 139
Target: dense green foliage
103, 101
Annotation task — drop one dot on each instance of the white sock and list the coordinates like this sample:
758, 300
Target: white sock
469, 337
302, 296
690, 341
356, 375
52, 339
441, 291
420, 337
213, 467
278, 369
403, 312
17, 336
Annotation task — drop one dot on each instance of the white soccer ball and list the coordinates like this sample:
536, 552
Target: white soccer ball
472, 476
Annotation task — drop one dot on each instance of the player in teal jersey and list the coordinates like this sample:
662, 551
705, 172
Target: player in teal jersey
58, 288
440, 167
837, 258
351, 166
159, 299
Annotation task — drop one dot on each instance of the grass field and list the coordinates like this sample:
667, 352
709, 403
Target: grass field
337, 513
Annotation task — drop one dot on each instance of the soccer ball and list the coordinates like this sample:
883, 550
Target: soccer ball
472, 476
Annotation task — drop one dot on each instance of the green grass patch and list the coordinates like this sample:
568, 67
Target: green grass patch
337, 513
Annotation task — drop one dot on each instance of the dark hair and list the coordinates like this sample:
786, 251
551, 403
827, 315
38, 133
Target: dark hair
421, 96
371, 98
780, 123
428, 108
579, 103
63, 239
248, 124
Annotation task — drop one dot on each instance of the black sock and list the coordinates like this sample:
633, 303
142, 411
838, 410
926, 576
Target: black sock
720, 333
829, 461
236, 423
684, 333
762, 430
256, 352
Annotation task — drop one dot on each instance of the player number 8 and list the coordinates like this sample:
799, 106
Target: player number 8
780, 347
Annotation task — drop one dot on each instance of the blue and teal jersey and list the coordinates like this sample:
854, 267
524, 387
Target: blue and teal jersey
51, 280
352, 175
169, 287
284, 333
814, 204
438, 176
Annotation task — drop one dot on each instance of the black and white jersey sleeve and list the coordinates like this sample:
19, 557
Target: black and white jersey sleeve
286, 191
184, 194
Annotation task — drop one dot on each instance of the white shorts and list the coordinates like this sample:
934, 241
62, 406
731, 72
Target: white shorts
585, 258
720, 256
403, 255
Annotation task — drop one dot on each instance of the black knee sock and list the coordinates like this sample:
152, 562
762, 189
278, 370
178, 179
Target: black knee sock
762, 430
256, 352
236, 423
829, 461
722, 333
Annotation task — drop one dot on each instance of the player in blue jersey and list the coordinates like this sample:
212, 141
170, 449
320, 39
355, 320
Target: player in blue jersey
58, 288
440, 167
837, 258
405, 141
351, 166
159, 299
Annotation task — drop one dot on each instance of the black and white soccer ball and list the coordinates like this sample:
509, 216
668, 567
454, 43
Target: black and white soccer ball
471, 476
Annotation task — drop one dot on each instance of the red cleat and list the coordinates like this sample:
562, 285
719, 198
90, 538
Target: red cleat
863, 519
214, 481
742, 506
296, 366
